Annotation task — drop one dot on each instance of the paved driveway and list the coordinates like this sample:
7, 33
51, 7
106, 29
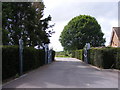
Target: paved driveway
66, 73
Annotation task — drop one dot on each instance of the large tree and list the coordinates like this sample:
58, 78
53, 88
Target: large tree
81, 30
24, 19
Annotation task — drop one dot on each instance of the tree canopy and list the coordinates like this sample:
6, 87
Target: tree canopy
25, 19
81, 30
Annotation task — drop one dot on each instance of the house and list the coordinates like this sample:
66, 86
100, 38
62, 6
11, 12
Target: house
115, 38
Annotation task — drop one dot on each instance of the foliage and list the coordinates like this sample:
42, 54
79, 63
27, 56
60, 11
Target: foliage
63, 54
101, 57
32, 58
24, 19
53, 55
105, 57
78, 54
10, 59
81, 30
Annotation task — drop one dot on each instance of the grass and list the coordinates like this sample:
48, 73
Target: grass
62, 56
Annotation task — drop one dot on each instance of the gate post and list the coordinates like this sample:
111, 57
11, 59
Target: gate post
50, 56
21, 56
46, 53
86, 48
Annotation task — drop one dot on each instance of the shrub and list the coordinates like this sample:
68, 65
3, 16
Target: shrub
116, 58
105, 57
53, 55
63, 54
32, 58
10, 61
73, 54
101, 57
77, 54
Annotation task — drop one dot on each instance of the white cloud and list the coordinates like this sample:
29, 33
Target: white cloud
62, 11
106, 27
55, 37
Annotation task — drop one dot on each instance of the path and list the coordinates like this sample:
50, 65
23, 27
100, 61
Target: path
66, 73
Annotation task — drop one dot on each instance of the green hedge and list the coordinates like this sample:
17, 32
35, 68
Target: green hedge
10, 62
78, 54
105, 57
53, 55
101, 57
63, 54
32, 58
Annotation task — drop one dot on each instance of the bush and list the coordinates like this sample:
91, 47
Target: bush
117, 62
63, 54
53, 55
10, 61
32, 58
73, 54
101, 57
77, 54
105, 57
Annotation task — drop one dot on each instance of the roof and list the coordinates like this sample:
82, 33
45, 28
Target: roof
117, 31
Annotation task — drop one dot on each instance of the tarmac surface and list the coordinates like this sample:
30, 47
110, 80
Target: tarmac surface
66, 73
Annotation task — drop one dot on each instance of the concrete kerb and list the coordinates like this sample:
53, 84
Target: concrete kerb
24, 75
14, 79
100, 69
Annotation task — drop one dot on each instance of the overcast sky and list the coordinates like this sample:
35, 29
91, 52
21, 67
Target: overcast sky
62, 11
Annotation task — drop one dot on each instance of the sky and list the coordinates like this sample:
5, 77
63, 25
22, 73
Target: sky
62, 11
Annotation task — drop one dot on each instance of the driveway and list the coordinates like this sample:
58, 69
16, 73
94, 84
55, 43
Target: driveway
66, 73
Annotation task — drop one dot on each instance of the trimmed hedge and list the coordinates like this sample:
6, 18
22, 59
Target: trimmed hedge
63, 54
105, 57
32, 58
101, 57
53, 55
78, 54
10, 61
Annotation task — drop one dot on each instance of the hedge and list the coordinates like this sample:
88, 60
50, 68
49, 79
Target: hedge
78, 54
53, 55
10, 66
101, 57
63, 54
32, 58
105, 57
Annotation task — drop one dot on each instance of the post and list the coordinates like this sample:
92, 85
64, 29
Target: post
21, 56
50, 56
87, 47
46, 53
85, 55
